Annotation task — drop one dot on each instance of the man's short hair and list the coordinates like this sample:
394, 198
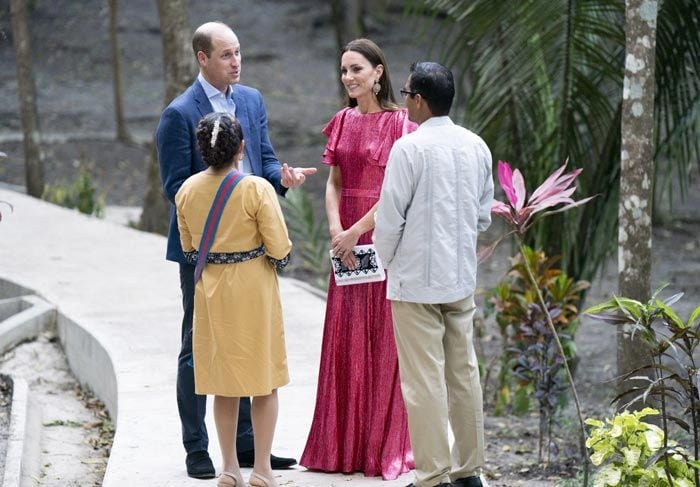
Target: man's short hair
436, 85
201, 40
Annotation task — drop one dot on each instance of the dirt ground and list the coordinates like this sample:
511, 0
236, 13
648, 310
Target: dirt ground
289, 53
76, 433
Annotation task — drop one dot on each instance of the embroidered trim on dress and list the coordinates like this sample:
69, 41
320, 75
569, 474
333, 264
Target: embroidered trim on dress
226, 257
281, 263
236, 257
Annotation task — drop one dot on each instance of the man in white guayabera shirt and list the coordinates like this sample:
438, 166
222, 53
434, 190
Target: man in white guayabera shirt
436, 197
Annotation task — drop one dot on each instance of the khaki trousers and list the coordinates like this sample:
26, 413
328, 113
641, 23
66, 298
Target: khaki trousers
440, 380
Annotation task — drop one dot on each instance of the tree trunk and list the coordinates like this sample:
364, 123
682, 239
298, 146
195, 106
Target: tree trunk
34, 167
348, 22
636, 175
122, 132
178, 64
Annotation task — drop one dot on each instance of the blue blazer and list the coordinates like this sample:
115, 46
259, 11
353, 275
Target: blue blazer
179, 157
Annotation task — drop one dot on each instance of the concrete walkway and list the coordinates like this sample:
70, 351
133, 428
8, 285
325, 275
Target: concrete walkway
119, 302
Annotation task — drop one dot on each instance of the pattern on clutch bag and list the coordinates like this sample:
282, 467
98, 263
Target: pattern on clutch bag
366, 264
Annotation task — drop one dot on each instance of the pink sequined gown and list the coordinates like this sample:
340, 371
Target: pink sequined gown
360, 420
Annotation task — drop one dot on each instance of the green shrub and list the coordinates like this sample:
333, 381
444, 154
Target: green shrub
671, 379
631, 452
81, 195
515, 302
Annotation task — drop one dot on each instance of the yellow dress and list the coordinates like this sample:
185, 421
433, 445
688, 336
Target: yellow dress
238, 335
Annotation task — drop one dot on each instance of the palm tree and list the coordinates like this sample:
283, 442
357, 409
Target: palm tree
542, 82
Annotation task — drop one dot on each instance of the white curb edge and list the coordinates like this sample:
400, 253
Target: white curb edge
22, 461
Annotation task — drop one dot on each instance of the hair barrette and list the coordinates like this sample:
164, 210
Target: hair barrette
215, 131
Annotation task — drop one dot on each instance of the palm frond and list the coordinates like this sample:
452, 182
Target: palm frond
545, 83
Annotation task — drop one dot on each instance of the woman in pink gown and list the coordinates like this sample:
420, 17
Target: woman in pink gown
359, 423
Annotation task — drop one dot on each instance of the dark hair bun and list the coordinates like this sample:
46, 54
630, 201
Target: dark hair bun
219, 136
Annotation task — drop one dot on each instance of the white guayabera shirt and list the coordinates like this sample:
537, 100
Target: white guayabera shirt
436, 197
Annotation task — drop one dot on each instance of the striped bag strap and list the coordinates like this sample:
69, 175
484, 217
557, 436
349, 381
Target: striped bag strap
212, 223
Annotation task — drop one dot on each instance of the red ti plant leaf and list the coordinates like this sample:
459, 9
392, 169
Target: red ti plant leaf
505, 178
518, 211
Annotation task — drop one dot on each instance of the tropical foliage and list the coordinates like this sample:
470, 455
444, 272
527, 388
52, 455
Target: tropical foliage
541, 81
520, 210
539, 366
673, 344
517, 213
520, 320
630, 451
310, 237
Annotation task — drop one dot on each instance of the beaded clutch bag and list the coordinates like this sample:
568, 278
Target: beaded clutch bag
369, 267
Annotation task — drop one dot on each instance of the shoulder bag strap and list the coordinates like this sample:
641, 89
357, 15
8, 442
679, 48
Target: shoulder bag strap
212, 223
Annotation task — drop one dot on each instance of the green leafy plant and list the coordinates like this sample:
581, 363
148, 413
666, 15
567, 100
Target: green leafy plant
531, 370
539, 366
81, 195
512, 299
672, 343
521, 212
309, 236
630, 452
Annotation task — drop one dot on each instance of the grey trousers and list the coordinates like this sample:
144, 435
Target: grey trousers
440, 381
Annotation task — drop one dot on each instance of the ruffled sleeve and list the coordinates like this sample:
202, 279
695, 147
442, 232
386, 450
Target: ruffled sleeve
393, 129
332, 130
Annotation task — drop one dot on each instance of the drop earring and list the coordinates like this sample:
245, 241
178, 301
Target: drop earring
376, 88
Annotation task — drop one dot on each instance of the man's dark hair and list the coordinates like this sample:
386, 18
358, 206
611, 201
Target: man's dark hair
229, 137
435, 84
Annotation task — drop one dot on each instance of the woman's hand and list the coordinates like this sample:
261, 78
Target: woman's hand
342, 245
333, 231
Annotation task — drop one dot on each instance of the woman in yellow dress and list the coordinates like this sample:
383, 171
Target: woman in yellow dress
238, 335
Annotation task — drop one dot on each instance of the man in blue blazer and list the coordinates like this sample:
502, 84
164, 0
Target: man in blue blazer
217, 89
